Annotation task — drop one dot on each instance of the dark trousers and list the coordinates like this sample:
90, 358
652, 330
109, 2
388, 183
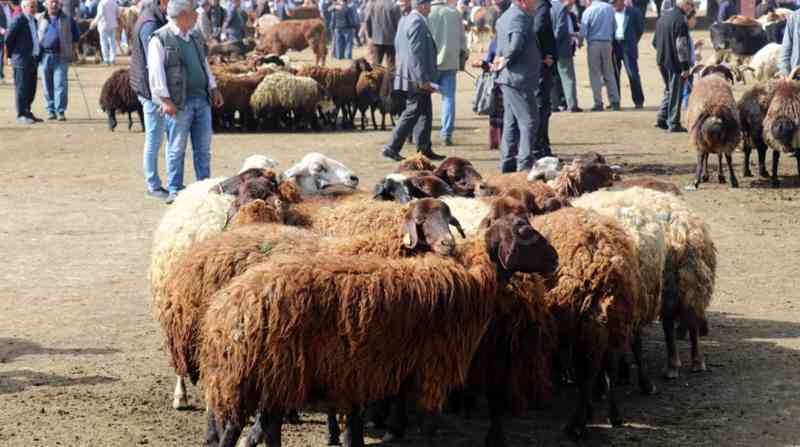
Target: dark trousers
542, 148
557, 98
417, 117
2, 58
670, 110
24, 88
622, 57
378, 52
520, 126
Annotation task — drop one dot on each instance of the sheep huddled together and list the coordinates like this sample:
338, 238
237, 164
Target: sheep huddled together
278, 294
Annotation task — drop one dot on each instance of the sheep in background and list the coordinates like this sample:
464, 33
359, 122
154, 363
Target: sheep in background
284, 97
236, 91
764, 64
340, 86
782, 122
753, 106
118, 96
294, 35
713, 121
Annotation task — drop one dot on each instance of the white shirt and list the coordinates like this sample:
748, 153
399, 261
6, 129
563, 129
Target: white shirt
157, 76
620, 32
107, 14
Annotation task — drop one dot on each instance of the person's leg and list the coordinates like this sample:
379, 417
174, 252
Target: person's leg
31, 81
61, 87
2, 60
47, 82
20, 90
178, 128
348, 38
663, 110
447, 83
104, 45
566, 71
541, 147
509, 144
617, 57
608, 73
153, 136
675, 93
201, 138
341, 43
557, 100
390, 55
594, 60
422, 129
406, 122
632, 71
528, 121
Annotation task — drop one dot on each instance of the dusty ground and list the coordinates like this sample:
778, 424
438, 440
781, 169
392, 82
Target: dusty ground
80, 363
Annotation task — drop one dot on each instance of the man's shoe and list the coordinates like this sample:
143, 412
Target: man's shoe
431, 155
52, 117
679, 129
171, 198
615, 106
392, 155
662, 125
160, 193
597, 108
35, 118
576, 110
638, 106
61, 117
24, 120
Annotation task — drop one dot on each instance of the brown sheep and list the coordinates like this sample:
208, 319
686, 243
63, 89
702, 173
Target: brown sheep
753, 106
648, 182
582, 177
782, 122
296, 35
117, 95
326, 317
236, 91
368, 90
713, 122
340, 84
271, 209
416, 162
594, 298
461, 175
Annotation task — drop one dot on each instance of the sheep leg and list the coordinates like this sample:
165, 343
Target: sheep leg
212, 431
612, 369
398, 418
761, 150
428, 423
673, 360
698, 362
701, 157
112, 119
496, 435
776, 158
720, 173
372, 113
130, 121
333, 428
273, 424
179, 400
231, 435
256, 433
729, 161
587, 370
646, 386
747, 150
797, 159
354, 434
293, 417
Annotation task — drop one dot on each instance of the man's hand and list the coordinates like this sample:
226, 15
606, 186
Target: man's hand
217, 99
426, 88
499, 64
548, 60
685, 74
168, 107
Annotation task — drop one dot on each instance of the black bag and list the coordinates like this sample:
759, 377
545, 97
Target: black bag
484, 101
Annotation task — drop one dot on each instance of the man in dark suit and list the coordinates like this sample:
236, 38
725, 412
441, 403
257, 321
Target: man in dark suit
543, 29
565, 31
630, 27
517, 67
416, 70
672, 55
23, 50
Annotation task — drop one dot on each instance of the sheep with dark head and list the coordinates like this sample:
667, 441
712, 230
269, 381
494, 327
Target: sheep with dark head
782, 121
118, 96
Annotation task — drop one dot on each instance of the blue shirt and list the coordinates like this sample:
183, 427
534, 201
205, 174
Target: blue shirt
51, 39
598, 23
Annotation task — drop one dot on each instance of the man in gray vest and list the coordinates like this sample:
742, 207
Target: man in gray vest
150, 19
517, 67
416, 70
58, 36
182, 84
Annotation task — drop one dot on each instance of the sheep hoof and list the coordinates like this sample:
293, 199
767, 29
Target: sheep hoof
180, 403
699, 366
722, 180
671, 373
690, 187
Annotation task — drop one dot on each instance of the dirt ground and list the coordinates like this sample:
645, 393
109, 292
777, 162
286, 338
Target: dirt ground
80, 357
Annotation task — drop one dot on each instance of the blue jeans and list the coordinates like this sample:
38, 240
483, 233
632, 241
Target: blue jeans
447, 83
54, 78
108, 44
194, 121
154, 127
344, 43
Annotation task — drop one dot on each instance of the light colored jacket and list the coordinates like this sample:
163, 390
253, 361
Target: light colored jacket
107, 15
790, 48
448, 34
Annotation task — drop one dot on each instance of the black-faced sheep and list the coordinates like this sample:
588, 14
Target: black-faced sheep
118, 96
782, 122
713, 121
753, 106
340, 85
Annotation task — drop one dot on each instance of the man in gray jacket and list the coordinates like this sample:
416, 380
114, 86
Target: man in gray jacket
414, 75
566, 40
517, 67
384, 15
790, 48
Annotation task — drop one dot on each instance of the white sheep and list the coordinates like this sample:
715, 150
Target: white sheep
764, 63
258, 161
318, 174
468, 211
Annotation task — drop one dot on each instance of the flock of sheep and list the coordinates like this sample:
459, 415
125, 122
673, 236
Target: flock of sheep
283, 291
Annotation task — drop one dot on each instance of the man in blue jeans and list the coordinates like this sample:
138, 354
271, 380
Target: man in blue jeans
182, 84
451, 48
150, 19
58, 35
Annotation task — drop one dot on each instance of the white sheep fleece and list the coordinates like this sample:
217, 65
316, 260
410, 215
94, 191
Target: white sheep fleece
647, 230
468, 211
765, 62
258, 161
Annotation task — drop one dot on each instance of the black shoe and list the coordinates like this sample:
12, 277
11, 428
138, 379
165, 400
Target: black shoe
61, 117
679, 129
52, 117
392, 155
598, 108
431, 155
576, 110
615, 106
638, 106
662, 125
34, 118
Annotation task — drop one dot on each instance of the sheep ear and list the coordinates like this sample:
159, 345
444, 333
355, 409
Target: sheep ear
410, 236
696, 68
